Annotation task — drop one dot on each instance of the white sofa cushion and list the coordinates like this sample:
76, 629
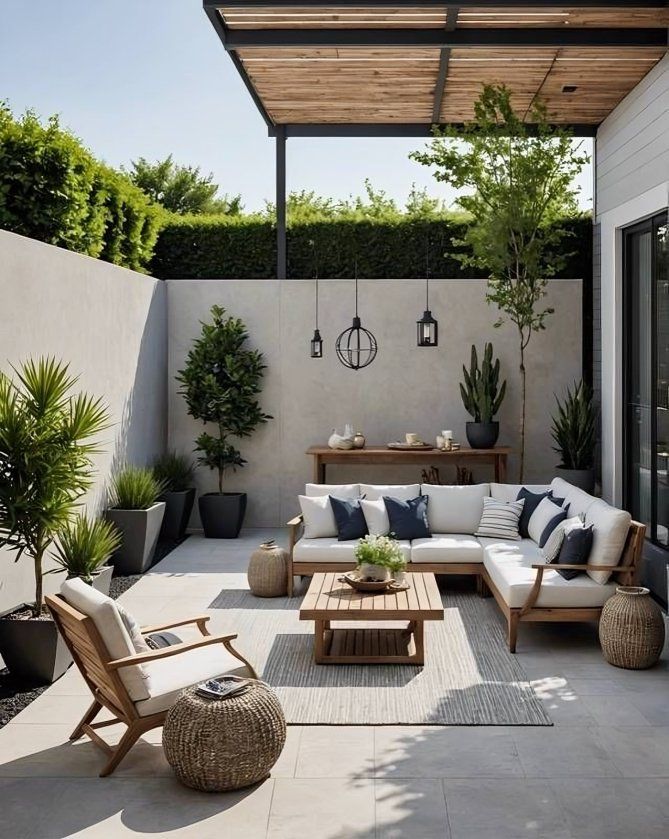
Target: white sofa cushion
339, 490
610, 527
405, 492
171, 675
509, 567
578, 501
319, 520
376, 516
455, 509
105, 615
332, 550
500, 519
445, 548
509, 492
545, 513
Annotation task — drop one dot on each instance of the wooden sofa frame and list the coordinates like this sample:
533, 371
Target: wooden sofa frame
101, 674
625, 573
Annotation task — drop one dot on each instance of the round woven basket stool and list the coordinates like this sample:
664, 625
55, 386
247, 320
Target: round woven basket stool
631, 629
215, 745
268, 571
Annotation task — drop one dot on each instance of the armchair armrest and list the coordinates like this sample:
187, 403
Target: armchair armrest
165, 652
200, 620
295, 522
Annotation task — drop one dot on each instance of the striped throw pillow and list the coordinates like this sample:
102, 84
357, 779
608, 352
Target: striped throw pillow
551, 550
500, 519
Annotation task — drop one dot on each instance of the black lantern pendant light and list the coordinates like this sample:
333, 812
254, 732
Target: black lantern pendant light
316, 341
427, 327
356, 347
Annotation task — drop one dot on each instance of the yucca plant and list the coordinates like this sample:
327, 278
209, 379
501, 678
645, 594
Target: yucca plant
174, 471
135, 488
481, 393
84, 545
46, 450
574, 428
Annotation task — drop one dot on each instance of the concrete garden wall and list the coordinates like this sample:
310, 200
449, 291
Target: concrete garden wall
406, 388
109, 323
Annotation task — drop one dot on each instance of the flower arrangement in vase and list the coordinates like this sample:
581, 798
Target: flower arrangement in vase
379, 558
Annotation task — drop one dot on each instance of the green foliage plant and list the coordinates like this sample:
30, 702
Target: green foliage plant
221, 383
574, 428
174, 471
84, 545
46, 450
516, 181
380, 550
135, 488
481, 393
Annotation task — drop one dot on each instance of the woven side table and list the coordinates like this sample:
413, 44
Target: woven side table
215, 745
631, 629
268, 571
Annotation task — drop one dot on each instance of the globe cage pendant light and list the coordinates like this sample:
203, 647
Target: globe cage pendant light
427, 328
316, 344
356, 347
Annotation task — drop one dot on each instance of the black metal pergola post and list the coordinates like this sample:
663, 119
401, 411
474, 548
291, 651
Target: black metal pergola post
280, 140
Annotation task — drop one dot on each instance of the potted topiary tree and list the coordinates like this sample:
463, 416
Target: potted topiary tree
574, 431
83, 548
482, 398
46, 446
220, 383
175, 473
138, 514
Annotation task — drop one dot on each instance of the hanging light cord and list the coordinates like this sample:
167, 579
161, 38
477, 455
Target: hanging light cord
316, 300
427, 274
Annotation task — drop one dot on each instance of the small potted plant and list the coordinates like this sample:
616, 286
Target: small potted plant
175, 472
138, 514
221, 383
575, 431
482, 398
83, 548
378, 556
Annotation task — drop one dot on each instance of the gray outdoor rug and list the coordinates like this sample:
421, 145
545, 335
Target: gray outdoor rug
469, 677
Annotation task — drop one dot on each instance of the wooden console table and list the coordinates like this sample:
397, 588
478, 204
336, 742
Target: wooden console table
383, 456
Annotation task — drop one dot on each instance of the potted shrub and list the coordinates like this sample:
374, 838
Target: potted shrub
378, 556
138, 514
46, 449
175, 473
83, 548
221, 383
574, 431
482, 398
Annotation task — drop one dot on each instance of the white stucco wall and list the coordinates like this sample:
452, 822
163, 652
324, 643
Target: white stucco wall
406, 388
109, 324
632, 183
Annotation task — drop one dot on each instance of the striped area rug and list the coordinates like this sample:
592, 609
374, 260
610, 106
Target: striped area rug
469, 677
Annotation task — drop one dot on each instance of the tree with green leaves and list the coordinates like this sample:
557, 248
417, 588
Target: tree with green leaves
46, 451
182, 189
221, 383
519, 180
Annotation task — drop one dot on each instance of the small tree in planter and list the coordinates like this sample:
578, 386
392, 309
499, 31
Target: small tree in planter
521, 179
221, 383
46, 448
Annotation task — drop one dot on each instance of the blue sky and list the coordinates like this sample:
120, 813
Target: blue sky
149, 77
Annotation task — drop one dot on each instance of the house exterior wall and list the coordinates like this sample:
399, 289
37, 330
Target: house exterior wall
632, 183
109, 324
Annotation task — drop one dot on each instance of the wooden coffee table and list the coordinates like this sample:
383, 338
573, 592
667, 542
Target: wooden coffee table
328, 600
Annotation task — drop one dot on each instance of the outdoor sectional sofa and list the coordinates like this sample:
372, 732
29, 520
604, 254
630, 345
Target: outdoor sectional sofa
523, 585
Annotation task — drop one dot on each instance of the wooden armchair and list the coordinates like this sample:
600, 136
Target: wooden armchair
102, 675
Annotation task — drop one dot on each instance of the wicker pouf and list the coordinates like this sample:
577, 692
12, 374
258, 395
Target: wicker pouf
268, 571
631, 629
223, 744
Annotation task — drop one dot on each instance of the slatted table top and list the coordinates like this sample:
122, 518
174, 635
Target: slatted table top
328, 599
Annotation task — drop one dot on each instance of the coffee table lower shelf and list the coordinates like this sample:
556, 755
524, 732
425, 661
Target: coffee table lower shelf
369, 645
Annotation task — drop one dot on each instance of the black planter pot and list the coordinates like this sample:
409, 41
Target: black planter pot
33, 650
482, 435
178, 507
582, 478
222, 514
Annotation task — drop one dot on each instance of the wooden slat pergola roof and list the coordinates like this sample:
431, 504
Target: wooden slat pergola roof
396, 68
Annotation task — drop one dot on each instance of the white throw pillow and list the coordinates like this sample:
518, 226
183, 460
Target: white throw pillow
338, 490
134, 630
455, 509
541, 517
551, 550
376, 516
499, 519
319, 520
374, 492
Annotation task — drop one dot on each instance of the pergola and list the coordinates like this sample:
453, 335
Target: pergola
354, 68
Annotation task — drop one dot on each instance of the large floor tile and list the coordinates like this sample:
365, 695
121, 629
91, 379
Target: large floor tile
285, 765
563, 752
411, 808
614, 710
637, 752
562, 704
336, 752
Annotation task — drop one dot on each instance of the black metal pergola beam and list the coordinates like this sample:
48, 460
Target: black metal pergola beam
279, 5
393, 129
557, 38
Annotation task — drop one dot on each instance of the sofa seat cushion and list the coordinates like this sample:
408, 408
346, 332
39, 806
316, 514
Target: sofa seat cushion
332, 550
169, 676
509, 566
447, 547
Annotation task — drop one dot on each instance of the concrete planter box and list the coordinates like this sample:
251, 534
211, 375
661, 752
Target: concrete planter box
102, 579
139, 530
34, 650
178, 507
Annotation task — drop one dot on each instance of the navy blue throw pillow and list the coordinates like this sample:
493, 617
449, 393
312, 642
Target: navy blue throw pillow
408, 519
552, 524
349, 518
575, 550
532, 501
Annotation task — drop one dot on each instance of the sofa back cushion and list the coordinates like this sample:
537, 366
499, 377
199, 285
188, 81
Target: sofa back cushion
455, 509
578, 501
405, 492
609, 532
509, 492
340, 490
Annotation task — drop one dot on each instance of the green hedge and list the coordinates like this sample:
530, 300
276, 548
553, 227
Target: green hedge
196, 247
54, 190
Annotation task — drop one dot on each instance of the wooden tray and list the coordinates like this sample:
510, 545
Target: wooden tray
351, 578
406, 447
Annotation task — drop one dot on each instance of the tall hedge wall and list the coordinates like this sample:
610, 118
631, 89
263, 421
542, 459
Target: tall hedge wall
212, 247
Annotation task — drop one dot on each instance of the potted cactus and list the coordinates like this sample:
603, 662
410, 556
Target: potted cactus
482, 396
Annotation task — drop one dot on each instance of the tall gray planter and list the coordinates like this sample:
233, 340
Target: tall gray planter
139, 530
179, 506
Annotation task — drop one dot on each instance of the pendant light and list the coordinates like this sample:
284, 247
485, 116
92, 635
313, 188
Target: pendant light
356, 346
316, 341
427, 328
